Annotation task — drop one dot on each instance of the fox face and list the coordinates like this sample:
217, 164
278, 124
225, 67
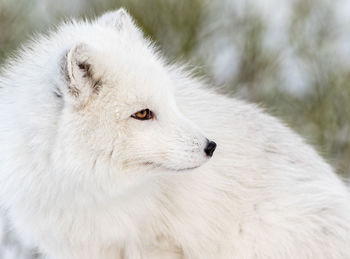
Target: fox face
119, 111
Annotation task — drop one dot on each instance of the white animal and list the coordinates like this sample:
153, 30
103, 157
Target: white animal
104, 155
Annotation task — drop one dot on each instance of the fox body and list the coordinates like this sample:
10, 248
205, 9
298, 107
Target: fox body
84, 175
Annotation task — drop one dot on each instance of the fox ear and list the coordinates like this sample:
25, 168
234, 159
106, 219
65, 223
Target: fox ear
79, 73
119, 19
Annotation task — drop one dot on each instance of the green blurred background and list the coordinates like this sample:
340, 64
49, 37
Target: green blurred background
290, 56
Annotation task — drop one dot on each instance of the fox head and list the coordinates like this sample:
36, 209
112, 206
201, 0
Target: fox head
119, 113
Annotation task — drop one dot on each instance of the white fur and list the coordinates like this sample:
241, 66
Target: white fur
82, 179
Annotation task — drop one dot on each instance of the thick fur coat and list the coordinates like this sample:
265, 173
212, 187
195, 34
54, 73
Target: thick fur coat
82, 178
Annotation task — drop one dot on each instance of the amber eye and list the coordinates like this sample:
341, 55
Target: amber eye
145, 114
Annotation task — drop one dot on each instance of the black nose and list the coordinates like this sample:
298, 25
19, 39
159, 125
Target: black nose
210, 148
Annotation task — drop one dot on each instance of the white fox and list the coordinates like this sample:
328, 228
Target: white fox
108, 152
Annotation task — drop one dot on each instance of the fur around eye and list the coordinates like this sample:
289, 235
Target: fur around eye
144, 114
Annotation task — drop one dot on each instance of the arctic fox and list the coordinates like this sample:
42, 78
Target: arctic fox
108, 152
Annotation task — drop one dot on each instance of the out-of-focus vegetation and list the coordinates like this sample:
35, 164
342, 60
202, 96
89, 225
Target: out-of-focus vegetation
292, 57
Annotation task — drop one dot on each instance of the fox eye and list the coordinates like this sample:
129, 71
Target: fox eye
145, 114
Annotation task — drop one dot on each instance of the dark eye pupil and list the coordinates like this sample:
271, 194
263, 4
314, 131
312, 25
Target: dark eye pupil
144, 112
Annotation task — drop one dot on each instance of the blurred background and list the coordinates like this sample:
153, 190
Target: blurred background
290, 56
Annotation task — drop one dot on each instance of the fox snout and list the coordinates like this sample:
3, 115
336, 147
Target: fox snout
210, 148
